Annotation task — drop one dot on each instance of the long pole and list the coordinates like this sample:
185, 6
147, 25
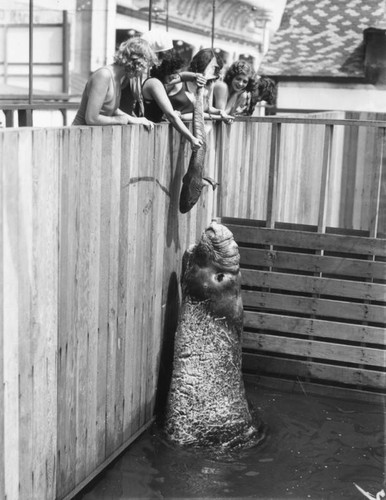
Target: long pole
30, 60
167, 16
150, 12
213, 20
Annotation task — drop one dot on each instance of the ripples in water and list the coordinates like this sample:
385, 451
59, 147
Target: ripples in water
316, 447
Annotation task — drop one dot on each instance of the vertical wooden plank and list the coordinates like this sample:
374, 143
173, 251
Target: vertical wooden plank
44, 312
11, 315
132, 363
335, 185
114, 423
27, 439
160, 201
273, 174
68, 293
324, 182
2, 298
348, 176
124, 281
103, 336
376, 180
83, 297
95, 237
223, 165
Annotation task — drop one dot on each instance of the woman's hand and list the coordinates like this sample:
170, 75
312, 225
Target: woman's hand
196, 143
200, 80
140, 121
146, 123
229, 119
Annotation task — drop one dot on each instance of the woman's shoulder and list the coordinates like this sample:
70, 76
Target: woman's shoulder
220, 85
102, 73
152, 82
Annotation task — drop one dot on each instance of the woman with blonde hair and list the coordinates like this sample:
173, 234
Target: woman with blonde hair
100, 100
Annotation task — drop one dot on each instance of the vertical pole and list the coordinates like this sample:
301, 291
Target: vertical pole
30, 61
65, 56
167, 16
213, 21
150, 12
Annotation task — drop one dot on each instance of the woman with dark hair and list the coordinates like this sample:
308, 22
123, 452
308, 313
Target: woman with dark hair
264, 89
234, 93
156, 101
170, 91
209, 64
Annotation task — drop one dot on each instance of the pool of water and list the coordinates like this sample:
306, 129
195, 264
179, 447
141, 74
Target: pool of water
316, 447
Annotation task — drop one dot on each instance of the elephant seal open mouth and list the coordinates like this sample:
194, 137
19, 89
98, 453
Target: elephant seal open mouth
206, 404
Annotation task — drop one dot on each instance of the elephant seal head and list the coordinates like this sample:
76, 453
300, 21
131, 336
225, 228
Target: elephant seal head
211, 273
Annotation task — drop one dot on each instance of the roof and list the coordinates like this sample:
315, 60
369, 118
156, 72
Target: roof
322, 38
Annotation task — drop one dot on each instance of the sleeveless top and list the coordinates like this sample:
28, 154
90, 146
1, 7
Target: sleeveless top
238, 104
179, 101
109, 106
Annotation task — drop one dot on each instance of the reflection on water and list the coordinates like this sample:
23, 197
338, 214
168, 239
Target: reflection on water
316, 447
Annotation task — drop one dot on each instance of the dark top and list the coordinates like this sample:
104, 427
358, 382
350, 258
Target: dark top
179, 101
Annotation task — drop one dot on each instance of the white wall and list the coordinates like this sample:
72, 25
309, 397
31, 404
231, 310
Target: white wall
324, 96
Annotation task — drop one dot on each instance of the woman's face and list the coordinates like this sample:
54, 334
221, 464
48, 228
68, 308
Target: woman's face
239, 82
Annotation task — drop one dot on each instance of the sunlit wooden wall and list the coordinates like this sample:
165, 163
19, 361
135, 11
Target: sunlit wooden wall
91, 236
91, 248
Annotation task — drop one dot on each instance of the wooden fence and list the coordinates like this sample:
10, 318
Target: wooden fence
286, 168
314, 305
91, 249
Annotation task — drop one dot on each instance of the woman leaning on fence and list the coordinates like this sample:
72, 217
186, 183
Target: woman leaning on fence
100, 100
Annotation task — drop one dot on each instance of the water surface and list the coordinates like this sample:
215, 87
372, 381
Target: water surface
316, 447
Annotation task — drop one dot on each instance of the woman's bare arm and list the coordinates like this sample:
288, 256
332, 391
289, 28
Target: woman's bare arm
154, 89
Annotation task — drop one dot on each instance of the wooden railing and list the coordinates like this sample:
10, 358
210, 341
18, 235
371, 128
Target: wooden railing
305, 171
92, 243
25, 111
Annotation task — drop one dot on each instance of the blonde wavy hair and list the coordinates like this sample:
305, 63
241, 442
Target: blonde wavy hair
138, 48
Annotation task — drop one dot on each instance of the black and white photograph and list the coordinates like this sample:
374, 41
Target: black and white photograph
192, 249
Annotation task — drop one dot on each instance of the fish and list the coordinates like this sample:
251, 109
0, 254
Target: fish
194, 180
206, 404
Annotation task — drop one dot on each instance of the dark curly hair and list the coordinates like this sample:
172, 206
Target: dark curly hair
240, 68
264, 89
201, 60
171, 63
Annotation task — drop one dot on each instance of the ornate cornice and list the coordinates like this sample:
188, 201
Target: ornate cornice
235, 21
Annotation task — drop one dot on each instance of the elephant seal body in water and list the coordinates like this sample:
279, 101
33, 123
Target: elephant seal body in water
206, 404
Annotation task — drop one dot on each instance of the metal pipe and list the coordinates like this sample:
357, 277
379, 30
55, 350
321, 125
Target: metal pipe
167, 16
30, 60
66, 57
150, 12
213, 20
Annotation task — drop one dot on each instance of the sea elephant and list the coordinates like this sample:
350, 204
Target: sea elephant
206, 404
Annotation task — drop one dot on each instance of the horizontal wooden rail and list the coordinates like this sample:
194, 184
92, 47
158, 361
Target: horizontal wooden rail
315, 305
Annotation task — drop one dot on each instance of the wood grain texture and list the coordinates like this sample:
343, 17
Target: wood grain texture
91, 250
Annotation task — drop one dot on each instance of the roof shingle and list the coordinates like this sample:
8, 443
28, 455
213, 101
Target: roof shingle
322, 38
